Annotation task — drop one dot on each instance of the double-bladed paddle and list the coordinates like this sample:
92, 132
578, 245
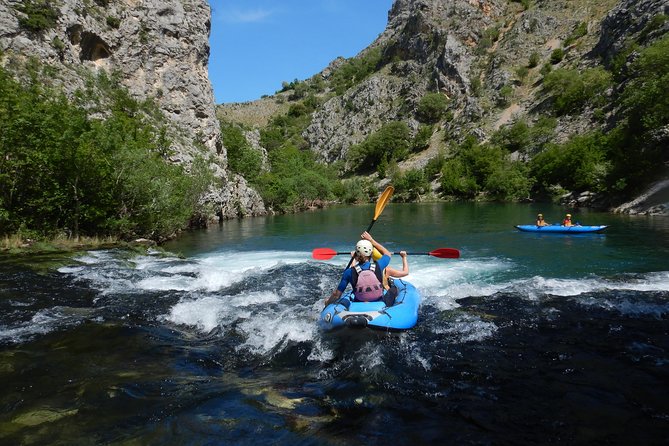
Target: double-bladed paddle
442, 253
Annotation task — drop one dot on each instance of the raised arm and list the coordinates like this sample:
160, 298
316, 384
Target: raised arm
392, 272
365, 235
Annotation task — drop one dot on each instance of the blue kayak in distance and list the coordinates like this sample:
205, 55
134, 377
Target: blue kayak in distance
346, 312
559, 229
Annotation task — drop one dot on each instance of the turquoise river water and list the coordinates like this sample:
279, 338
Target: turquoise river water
525, 339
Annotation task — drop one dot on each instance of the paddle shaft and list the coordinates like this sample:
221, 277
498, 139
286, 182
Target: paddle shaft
339, 253
380, 205
444, 253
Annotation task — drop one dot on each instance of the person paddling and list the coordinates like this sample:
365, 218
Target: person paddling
396, 273
567, 221
389, 275
366, 277
541, 221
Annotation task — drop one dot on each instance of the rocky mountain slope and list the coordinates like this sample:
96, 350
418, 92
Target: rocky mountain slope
487, 57
159, 50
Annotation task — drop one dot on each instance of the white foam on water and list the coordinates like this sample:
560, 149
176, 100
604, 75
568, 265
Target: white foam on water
370, 357
658, 281
267, 322
320, 353
43, 322
442, 284
629, 308
211, 272
268, 331
466, 328
413, 354
204, 314
70, 269
209, 312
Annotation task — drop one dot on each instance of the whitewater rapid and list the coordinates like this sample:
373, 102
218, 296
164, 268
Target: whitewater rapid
272, 299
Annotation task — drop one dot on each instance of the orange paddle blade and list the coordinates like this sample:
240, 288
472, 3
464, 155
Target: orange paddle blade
382, 201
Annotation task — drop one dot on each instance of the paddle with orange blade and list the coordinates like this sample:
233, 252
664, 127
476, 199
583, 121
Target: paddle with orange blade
442, 253
380, 205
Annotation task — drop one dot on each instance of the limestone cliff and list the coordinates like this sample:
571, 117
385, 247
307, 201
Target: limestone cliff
160, 49
486, 56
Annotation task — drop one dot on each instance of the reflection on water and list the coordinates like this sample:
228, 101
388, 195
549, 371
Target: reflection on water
526, 339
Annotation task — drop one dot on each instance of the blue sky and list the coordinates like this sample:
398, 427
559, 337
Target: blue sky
258, 44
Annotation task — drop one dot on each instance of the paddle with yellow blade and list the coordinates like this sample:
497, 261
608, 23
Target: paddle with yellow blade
442, 253
380, 205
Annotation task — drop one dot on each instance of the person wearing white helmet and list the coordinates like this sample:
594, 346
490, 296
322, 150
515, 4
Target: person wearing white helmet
366, 275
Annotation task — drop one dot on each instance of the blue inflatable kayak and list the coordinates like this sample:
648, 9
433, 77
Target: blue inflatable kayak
349, 313
578, 229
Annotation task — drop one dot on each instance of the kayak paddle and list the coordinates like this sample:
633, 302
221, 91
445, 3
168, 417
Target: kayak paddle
380, 205
442, 253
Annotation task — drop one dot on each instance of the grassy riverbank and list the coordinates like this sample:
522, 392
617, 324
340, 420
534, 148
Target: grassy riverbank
18, 244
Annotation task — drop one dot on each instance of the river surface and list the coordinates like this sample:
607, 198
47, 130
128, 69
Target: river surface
525, 339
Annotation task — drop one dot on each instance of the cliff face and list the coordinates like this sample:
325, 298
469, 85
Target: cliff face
628, 18
469, 50
433, 40
160, 49
488, 57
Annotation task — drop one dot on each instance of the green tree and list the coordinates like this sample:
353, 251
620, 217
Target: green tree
638, 149
390, 142
557, 55
578, 165
242, 158
61, 170
410, 185
295, 181
432, 107
572, 90
515, 137
40, 15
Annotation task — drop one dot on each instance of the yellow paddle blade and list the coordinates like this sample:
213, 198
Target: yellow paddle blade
383, 200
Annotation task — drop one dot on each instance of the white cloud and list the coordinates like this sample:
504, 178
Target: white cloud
248, 16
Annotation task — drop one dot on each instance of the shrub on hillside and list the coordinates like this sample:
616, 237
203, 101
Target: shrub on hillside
390, 142
61, 170
578, 165
557, 55
432, 107
410, 185
579, 31
572, 90
638, 148
355, 70
484, 168
242, 158
422, 139
40, 15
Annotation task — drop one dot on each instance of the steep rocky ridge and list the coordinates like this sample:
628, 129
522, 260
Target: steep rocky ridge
160, 49
476, 52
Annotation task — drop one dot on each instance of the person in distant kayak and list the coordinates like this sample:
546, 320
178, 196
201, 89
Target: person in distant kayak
541, 221
366, 277
567, 221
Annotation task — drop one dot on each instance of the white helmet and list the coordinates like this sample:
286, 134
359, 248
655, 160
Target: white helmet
364, 248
